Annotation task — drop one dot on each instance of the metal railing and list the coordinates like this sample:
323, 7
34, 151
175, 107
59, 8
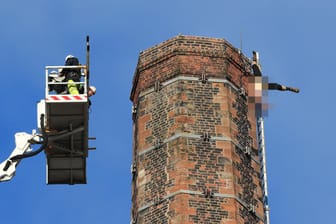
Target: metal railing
53, 78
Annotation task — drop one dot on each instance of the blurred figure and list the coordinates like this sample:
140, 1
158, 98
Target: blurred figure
258, 87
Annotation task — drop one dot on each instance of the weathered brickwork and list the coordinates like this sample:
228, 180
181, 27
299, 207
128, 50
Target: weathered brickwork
195, 157
187, 55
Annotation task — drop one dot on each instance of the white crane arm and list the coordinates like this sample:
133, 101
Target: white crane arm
23, 145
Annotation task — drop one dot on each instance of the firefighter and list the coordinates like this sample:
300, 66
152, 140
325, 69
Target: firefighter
72, 75
92, 91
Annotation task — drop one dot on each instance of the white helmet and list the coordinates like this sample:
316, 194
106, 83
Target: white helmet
93, 89
69, 56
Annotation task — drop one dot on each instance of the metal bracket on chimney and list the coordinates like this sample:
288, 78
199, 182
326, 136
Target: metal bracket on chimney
157, 86
208, 193
206, 137
203, 78
134, 112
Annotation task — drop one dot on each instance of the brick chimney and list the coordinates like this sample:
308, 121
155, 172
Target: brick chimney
195, 152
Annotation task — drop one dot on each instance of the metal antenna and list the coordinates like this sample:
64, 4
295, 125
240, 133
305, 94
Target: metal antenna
241, 42
87, 56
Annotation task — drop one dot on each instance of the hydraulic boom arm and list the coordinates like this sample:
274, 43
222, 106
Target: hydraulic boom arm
23, 142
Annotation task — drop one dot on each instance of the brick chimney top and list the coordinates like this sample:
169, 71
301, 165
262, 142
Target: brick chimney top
184, 45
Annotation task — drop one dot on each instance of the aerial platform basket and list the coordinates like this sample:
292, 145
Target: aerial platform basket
62, 120
66, 125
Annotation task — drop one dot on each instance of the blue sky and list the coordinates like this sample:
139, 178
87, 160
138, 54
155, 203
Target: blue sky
296, 42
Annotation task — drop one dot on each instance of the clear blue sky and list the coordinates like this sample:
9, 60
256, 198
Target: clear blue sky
296, 42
